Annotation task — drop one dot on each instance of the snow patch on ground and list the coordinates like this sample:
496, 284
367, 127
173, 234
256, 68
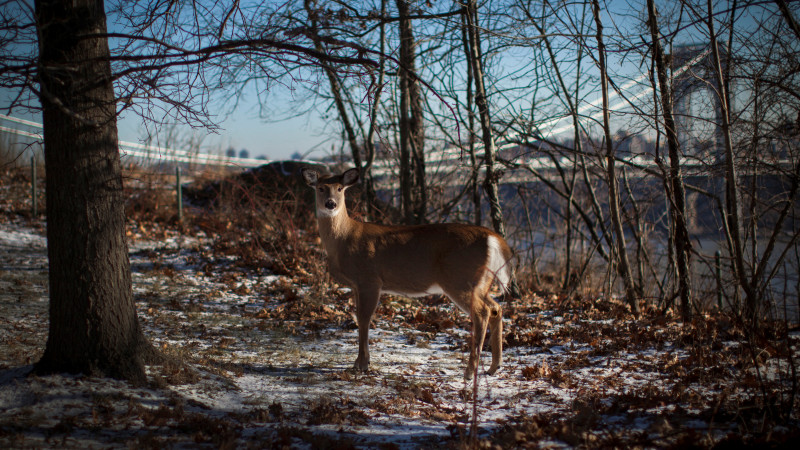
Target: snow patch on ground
255, 380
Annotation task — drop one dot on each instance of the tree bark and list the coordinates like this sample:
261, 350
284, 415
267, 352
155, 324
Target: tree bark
733, 212
788, 17
412, 133
490, 149
677, 192
613, 185
475, 192
93, 324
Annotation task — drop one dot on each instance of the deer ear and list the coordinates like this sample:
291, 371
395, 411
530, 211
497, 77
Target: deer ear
311, 176
350, 177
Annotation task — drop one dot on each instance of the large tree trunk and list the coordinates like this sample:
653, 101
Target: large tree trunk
93, 324
677, 193
613, 184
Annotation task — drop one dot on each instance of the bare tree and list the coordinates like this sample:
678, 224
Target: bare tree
611, 175
93, 324
361, 141
569, 175
490, 149
473, 159
789, 17
676, 193
733, 207
161, 52
335, 86
412, 131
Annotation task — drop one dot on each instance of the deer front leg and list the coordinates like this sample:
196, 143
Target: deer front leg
366, 302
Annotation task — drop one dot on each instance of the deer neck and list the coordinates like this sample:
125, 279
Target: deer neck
334, 229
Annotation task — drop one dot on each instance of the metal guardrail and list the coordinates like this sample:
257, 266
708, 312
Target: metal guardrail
143, 151
440, 162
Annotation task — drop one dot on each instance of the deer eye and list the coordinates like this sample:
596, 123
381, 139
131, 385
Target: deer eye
322, 190
339, 189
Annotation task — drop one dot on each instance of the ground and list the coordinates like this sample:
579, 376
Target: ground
263, 355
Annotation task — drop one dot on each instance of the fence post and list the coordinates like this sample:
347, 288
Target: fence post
178, 193
33, 186
718, 269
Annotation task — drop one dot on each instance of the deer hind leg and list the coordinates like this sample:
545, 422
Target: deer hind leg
496, 339
366, 302
479, 313
485, 313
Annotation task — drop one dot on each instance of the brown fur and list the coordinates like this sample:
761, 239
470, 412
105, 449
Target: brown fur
411, 260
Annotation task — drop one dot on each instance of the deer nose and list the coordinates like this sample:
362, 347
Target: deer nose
330, 204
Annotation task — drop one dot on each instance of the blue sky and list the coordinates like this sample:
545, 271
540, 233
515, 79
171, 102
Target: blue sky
245, 130
276, 139
280, 137
242, 130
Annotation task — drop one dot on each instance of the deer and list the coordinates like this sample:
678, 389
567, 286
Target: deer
460, 261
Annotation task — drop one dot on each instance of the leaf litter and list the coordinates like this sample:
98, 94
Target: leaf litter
263, 360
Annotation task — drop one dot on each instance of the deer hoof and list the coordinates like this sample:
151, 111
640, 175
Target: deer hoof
469, 373
361, 366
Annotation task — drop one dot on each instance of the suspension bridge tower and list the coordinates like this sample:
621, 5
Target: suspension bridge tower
698, 109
